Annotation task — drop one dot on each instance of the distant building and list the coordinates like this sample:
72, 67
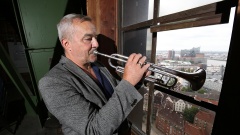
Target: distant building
169, 122
169, 103
145, 102
200, 55
204, 120
180, 106
190, 53
158, 99
168, 115
190, 129
171, 55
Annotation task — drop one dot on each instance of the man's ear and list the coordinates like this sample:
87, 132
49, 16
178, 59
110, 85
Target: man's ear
65, 44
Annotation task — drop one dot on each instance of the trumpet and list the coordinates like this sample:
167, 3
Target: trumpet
164, 77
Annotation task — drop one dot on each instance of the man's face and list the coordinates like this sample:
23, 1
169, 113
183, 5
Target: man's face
82, 42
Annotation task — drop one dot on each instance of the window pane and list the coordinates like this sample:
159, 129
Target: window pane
135, 11
173, 116
188, 49
173, 6
139, 41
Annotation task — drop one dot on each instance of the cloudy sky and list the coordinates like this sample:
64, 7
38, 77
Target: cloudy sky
208, 38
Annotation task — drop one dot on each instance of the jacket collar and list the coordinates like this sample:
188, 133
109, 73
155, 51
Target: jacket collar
76, 70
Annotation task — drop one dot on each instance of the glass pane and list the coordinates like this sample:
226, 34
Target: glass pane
135, 11
173, 116
173, 6
188, 49
139, 41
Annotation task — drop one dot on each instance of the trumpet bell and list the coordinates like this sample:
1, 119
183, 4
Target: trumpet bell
198, 79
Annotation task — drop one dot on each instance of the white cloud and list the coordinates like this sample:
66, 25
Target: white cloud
209, 38
173, 6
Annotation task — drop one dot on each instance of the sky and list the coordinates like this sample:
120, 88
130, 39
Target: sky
208, 38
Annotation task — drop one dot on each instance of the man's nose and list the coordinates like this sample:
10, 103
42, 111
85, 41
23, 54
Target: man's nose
94, 42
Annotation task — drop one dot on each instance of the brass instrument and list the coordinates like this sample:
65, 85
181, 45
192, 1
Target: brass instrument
164, 77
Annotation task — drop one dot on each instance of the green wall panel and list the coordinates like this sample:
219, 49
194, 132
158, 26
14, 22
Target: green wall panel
39, 19
41, 61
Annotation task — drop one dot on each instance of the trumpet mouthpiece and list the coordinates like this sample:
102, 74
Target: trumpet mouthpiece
95, 52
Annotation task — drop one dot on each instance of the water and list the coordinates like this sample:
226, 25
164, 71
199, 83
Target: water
216, 63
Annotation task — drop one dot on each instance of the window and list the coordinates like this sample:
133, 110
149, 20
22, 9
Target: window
188, 36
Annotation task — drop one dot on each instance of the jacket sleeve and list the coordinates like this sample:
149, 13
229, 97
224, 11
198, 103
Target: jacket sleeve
81, 115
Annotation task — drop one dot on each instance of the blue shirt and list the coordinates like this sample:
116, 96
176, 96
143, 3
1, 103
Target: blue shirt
104, 84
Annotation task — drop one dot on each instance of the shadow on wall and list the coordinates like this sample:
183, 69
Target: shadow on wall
73, 6
107, 46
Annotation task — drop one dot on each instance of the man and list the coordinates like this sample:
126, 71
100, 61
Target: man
80, 92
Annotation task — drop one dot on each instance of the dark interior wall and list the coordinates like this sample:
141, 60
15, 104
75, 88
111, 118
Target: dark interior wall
8, 25
73, 6
12, 104
33, 24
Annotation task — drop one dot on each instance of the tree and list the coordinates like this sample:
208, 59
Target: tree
201, 91
189, 114
187, 89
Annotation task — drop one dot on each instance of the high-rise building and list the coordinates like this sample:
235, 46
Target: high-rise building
171, 54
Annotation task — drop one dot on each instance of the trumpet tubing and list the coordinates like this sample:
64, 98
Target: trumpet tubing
164, 77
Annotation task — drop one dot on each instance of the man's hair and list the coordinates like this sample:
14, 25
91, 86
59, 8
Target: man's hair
65, 26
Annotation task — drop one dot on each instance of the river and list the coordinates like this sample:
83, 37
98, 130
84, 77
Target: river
216, 63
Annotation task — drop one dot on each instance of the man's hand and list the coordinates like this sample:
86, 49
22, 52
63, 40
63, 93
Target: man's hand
135, 69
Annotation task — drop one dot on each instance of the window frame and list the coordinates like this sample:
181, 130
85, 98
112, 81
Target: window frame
216, 13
